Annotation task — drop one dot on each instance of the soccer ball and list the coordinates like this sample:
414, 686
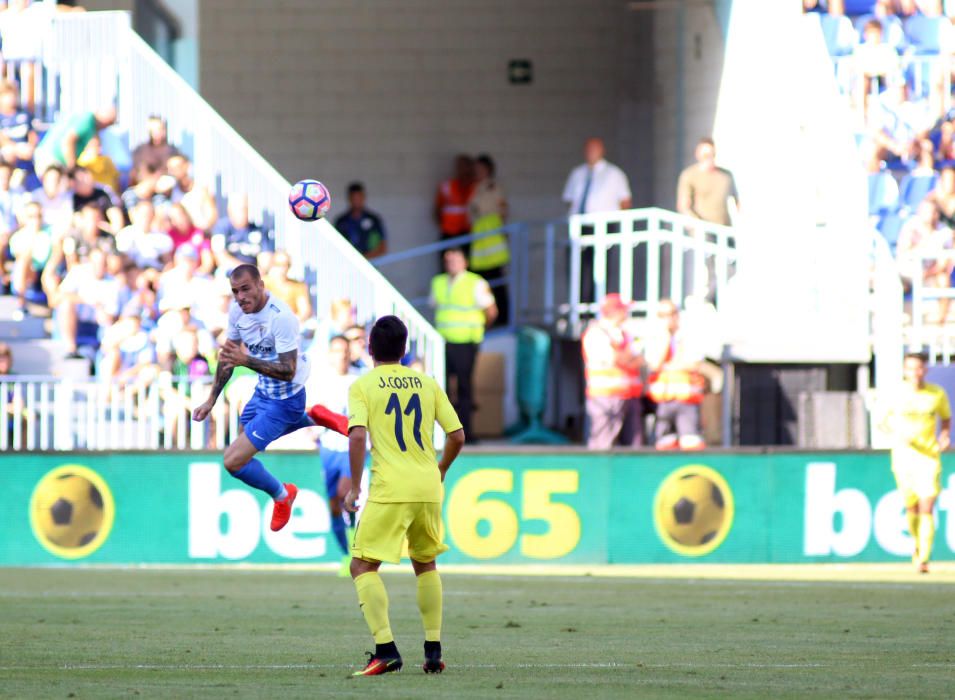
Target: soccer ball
68, 510
309, 200
691, 509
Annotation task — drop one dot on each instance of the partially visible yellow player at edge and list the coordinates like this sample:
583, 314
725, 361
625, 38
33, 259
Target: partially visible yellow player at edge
398, 407
916, 460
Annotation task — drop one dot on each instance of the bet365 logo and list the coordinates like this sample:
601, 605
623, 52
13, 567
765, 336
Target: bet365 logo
72, 511
693, 510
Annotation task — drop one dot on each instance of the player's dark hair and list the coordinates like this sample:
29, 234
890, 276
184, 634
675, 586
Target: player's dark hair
706, 141
246, 269
918, 355
355, 187
388, 338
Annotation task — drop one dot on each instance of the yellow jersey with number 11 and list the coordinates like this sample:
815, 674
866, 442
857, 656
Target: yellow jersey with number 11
399, 406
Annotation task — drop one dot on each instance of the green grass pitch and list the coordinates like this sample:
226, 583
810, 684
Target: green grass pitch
653, 632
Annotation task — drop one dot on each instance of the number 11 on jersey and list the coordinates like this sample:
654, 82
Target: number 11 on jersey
413, 406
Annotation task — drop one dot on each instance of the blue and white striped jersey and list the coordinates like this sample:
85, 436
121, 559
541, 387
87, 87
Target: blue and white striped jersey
266, 333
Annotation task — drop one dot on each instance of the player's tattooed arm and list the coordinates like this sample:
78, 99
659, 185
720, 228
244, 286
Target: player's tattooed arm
282, 369
223, 374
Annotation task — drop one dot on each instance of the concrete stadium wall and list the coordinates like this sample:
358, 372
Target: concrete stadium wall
387, 91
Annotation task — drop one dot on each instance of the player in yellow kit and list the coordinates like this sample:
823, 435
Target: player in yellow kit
398, 407
916, 461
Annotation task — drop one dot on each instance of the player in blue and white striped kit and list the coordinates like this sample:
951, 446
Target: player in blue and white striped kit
263, 335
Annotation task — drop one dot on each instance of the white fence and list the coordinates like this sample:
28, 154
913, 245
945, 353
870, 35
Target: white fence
646, 255
93, 59
46, 413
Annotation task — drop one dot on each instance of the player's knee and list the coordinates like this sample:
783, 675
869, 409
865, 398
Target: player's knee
231, 463
423, 567
360, 566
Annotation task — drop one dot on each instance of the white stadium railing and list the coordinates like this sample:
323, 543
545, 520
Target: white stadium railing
95, 59
646, 255
46, 413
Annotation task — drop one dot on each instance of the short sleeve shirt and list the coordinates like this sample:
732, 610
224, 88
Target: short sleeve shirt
608, 188
399, 406
708, 192
364, 233
267, 333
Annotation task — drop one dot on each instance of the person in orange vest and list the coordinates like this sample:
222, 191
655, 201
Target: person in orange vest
451, 201
675, 383
612, 364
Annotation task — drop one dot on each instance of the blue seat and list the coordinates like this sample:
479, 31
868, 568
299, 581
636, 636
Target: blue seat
924, 34
859, 7
839, 35
890, 226
883, 194
914, 188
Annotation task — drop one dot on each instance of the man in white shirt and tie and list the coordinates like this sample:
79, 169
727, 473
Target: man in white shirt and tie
594, 186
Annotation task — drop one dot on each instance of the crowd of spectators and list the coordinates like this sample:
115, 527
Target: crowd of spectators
131, 265
893, 62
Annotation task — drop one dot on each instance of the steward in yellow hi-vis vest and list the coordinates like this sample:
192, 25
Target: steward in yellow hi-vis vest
463, 308
919, 410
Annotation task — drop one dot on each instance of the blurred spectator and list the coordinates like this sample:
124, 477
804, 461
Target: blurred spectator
612, 363
85, 193
675, 384
899, 123
87, 302
361, 227
182, 231
30, 246
488, 211
184, 280
68, 137
292, 292
11, 199
597, 185
451, 200
6, 360
179, 373
358, 356
883, 12
594, 186
155, 153
704, 189
127, 355
236, 241
18, 140
100, 165
22, 29
877, 63
463, 308
943, 196
341, 317
197, 199
923, 236
145, 189
55, 197
145, 245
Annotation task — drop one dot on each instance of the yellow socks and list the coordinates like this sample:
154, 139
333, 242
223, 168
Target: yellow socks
429, 603
373, 599
926, 536
912, 516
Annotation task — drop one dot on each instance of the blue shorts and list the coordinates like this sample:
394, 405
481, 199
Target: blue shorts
265, 419
335, 464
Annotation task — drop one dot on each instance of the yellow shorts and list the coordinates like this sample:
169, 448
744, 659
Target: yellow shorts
917, 475
383, 527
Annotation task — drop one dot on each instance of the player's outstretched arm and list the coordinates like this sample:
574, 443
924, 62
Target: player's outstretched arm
223, 373
282, 369
452, 448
